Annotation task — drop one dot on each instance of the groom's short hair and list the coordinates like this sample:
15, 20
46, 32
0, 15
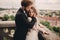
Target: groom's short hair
26, 3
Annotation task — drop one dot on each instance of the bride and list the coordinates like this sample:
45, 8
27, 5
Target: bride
32, 34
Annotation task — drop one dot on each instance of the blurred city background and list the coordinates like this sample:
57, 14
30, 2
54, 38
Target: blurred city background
49, 14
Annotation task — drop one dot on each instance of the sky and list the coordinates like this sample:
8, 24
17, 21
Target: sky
48, 4
40, 4
10, 3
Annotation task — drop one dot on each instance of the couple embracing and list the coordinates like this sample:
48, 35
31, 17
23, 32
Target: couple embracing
26, 19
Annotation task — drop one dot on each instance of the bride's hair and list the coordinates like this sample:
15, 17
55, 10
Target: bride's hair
34, 10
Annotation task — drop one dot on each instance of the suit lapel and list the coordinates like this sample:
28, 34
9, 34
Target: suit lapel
24, 13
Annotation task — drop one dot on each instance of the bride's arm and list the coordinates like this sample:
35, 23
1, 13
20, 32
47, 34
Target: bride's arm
39, 24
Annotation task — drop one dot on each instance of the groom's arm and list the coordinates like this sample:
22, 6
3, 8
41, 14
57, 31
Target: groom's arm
24, 20
31, 24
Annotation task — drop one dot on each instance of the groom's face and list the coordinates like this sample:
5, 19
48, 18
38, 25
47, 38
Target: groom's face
28, 7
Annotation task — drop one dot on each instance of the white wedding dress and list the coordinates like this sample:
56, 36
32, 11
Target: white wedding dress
33, 33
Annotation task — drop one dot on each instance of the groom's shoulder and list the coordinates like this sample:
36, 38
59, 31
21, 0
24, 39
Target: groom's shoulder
19, 12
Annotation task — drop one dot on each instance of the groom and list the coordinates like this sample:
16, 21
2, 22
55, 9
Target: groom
21, 20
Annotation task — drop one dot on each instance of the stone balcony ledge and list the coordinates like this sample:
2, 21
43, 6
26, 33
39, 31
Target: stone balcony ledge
7, 24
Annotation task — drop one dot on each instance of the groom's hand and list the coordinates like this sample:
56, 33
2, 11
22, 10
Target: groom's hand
34, 19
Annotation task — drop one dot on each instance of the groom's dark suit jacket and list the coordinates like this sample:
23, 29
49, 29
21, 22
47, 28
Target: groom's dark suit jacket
22, 25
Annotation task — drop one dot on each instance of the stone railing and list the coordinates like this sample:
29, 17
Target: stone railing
7, 29
7, 24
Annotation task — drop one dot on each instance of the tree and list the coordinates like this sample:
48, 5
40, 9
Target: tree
6, 17
12, 17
